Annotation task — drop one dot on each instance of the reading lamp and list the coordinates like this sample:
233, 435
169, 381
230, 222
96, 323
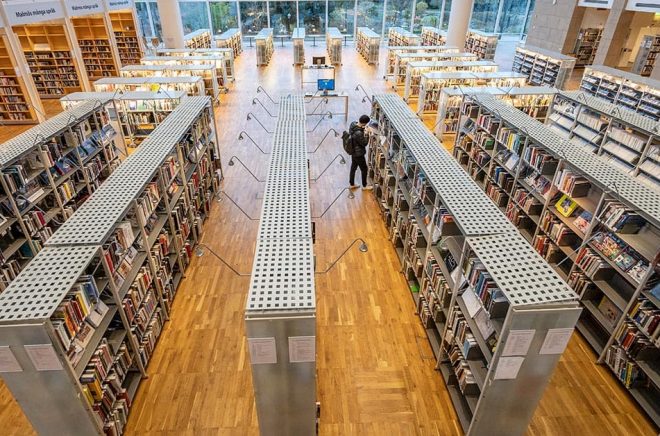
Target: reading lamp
341, 161
199, 252
324, 137
251, 116
363, 249
255, 100
243, 134
350, 195
235, 204
231, 164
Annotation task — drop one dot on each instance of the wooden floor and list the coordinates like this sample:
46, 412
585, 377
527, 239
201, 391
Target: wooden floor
375, 368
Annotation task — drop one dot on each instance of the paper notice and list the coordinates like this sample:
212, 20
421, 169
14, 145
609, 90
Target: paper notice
302, 349
508, 368
43, 357
8, 362
556, 341
471, 303
518, 342
262, 350
484, 324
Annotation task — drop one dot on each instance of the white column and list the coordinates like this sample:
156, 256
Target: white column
170, 18
459, 21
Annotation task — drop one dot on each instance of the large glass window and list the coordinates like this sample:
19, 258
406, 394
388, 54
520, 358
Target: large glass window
194, 16
399, 14
155, 19
311, 15
446, 11
282, 17
484, 14
341, 15
143, 19
253, 17
512, 19
224, 15
530, 12
370, 14
427, 13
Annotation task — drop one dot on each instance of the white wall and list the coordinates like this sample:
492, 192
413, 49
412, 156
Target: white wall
642, 24
594, 18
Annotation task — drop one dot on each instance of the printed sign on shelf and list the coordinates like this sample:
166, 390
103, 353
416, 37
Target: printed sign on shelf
77, 8
606, 4
113, 5
644, 6
26, 13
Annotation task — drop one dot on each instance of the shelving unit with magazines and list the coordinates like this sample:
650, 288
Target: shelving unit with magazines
92, 304
597, 226
15, 104
367, 43
489, 304
415, 69
94, 43
433, 36
126, 36
230, 38
543, 67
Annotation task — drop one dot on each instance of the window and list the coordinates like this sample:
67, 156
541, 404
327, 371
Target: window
282, 17
224, 16
253, 17
445, 15
311, 15
143, 19
341, 15
399, 14
427, 13
155, 19
530, 12
370, 14
484, 14
512, 18
194, 16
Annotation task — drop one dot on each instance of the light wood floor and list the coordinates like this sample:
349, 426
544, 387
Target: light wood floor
375, 366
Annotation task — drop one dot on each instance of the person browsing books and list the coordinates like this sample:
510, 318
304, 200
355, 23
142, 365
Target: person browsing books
355, 144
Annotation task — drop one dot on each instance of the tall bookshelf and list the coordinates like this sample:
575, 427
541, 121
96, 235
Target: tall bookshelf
48, 54
191, 85
230, 38
219, 62
586, 46
333, 42
630, 141
543, 67
198, 39
401, 60
478, 287
47, 173
265, 48
206, 71
646, 56
598, 227
432, 84
367, 43
94, 43
631, 91
433, 36
414, 71
298, 38
227, 53
398, 36
394, 51
94, 301
126, 35
15, 104
482, 44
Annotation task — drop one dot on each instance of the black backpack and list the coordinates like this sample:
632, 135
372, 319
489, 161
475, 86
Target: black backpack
347, 142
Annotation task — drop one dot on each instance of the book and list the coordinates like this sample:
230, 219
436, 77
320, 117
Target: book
609, 310
583, 220
566, 205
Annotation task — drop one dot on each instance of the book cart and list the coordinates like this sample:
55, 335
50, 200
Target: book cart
415, 69
191, 85
230, 38
543, 67
367, 43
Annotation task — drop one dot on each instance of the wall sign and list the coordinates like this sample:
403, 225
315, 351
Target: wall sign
76, 8
644, 5
26, 13
606, 4
113, 5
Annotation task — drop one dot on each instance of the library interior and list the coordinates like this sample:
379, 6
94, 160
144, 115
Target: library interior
331, 217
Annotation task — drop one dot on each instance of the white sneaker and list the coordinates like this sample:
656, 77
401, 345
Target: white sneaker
368, 188
352, 186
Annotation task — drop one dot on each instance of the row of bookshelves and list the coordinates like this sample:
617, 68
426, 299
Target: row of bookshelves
95, 46
333, 43
207, 71
298, 38
126, 37
433, 36
191, 85
481, 44
602, 241
230, 38
367, 43
414, 71
198, 39
402, 58
15, 106
586, 45
226, 53
543, 67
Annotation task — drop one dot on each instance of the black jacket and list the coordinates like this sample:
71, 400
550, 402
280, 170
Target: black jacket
360, 139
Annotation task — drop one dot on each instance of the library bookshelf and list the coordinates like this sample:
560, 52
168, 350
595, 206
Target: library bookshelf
47, 173
191, 85
231, 38
94, 42
227, 53
394, 51
543, 67
219, 62
48, 53
367, 43
83, 318
265, 48
398, 36
634, 92
126, 37
415, 69
489, 304
433, 36
207, 71
482, 44
586, 46
596, 226
401, 60
15, 104
298, 38
198, 39
646, 56
333, 43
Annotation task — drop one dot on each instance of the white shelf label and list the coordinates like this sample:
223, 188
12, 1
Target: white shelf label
518, 342
556, 341
77, 8
113, 5
262, 351
508, 368
43, 357
652, 6
26, 13
302, 349
8, 362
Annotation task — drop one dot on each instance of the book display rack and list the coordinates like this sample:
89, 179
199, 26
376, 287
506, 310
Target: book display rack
48, 54
646, 56
394, 51
227, 53
432, 84
126, 36
482, 44
586, 46
630, 140
333, 43
433, 36
496, 314
401, 61
207, 71
367, 43
298, 38
15, 105
198, 39
543, 67
265, 48
84, 316
191, 85
94, 42
219, 62
398, 36
231, 38
415, 69
597, 226
631, 91
46, 173
535, 101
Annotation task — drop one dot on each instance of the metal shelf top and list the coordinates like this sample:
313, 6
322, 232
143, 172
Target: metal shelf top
298, 33
26, 141
228, 33
178, 67
291, 107
426, 48
195, 34
435, 55
147, 80
93, 222
449, 64
434, 30
403, 32
88, 96
554, 55
367, 32
624, 75
265, 33
494, 90
40, 287
333, 33
441, 75
192, 57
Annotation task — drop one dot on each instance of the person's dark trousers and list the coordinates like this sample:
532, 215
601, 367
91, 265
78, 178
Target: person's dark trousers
361, 162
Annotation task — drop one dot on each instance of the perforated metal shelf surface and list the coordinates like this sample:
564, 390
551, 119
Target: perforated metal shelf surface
147, 80
40, 287
27, 141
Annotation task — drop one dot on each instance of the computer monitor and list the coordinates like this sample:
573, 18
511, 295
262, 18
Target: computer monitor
326, 84
318, 60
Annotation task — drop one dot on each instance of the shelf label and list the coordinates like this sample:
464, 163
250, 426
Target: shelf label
302, 349
262, 351
26, 13
644, 6
113, 5
556, 341
518, 342
8, 362
508, 368
77, 8
43, 357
